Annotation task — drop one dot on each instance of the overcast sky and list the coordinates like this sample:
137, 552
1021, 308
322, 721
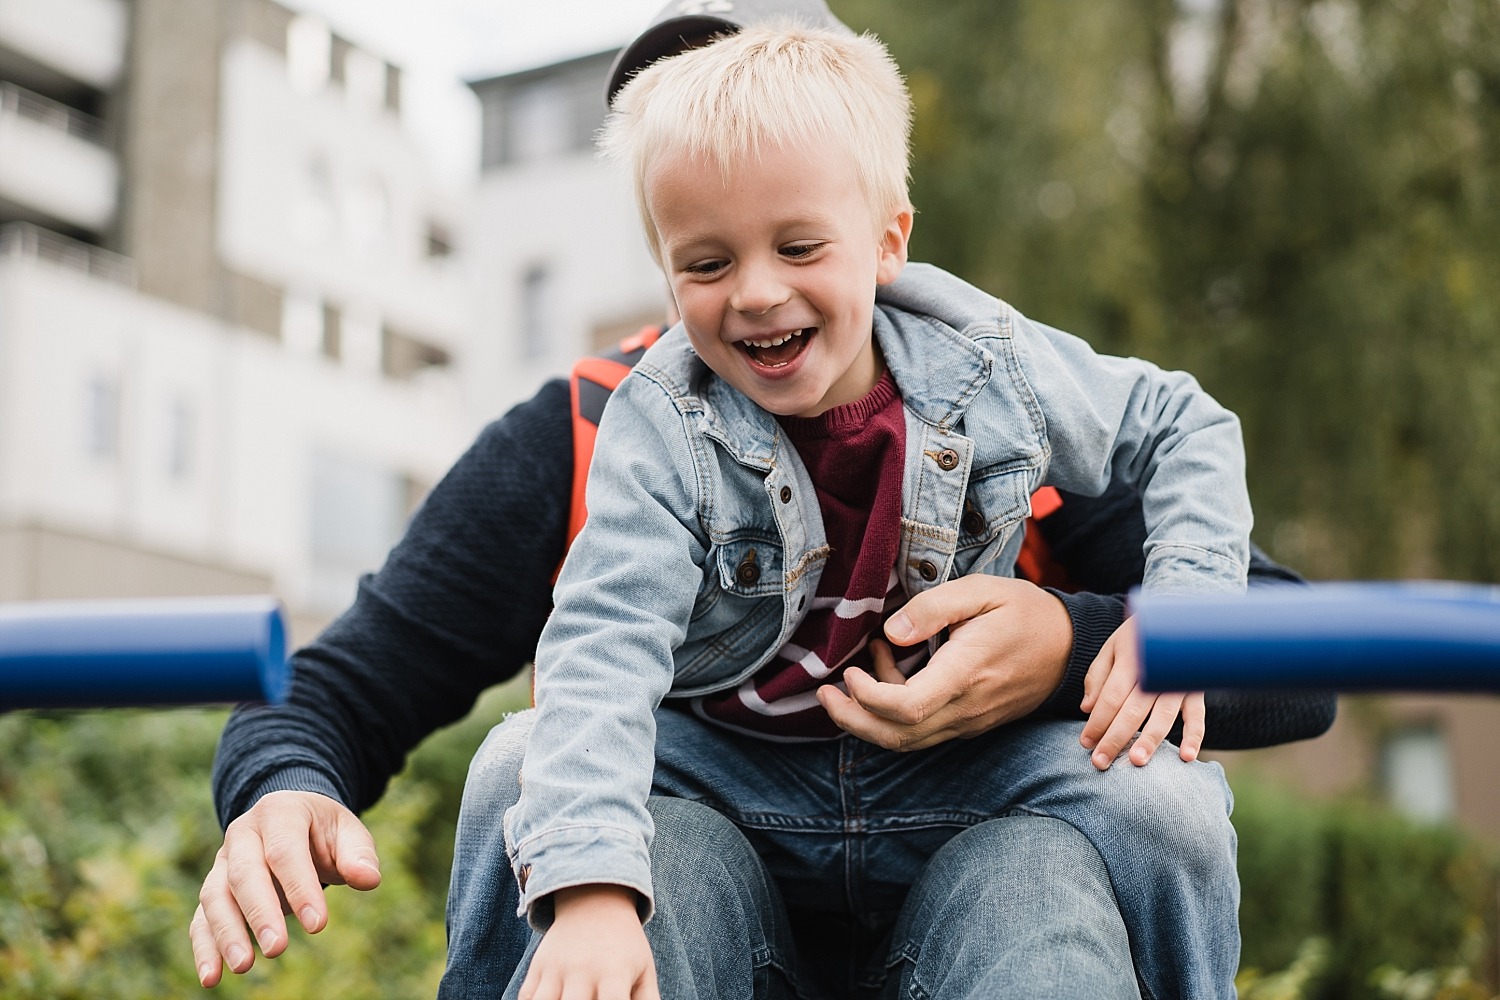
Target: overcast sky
439, 43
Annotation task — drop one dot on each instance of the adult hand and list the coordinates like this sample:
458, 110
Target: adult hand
1007, 651
274, 860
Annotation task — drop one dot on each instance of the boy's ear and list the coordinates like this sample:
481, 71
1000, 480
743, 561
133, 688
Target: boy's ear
892, 247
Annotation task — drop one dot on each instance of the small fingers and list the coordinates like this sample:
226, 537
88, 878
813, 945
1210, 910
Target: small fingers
1098, 673
1163, 716
1112, 695
646, 988
885, 663
1122, 728
1194, 725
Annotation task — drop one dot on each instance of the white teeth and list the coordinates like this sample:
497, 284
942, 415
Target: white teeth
777, 342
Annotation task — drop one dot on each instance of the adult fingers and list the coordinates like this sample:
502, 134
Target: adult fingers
289, 859
356, 864
255, 893
1163, 715
904, 701
852, 717
1194, 725
949, 603
206, 957
218, 926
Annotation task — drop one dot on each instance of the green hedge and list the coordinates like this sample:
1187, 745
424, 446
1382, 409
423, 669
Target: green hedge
1348, 901
106, 831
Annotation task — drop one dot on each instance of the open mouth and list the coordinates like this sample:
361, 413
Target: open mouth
778, 352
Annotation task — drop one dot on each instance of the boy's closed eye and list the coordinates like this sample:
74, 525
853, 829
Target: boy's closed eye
800, 251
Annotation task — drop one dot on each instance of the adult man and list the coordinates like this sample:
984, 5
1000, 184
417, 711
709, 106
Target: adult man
458, 607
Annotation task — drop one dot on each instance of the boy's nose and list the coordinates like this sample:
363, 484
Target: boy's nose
758, 290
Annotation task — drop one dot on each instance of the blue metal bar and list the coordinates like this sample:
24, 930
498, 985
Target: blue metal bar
1343, 636
111, 653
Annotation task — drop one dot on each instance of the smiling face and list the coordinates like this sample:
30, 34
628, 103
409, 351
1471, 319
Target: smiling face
773, 266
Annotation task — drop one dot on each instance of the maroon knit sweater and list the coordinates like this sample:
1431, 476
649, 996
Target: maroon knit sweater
855, 456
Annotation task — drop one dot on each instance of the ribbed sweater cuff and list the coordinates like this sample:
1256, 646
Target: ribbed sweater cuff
1095, 618
296, 779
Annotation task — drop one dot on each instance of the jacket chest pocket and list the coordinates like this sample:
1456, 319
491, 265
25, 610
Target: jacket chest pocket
738, 612
750, 567
995, 503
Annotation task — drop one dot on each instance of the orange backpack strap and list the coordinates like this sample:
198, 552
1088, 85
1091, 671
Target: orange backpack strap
1035, 563
590, 385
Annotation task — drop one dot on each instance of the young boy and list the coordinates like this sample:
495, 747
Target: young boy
782, 471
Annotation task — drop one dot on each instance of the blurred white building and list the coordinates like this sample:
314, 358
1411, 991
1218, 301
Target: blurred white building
564, 268
231, 312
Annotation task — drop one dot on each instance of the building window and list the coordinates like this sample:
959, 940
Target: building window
302, 324
364, 80
102, 417
541, 114
440, 245
541, 122
315, 212
181, 433
367, 209
536, 312
361, 341
309, 54
407, 356
358, 512
1417, 772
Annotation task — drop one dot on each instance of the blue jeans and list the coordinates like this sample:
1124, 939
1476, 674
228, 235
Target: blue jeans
839, 830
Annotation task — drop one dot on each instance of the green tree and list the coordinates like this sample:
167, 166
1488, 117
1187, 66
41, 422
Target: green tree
1298, 201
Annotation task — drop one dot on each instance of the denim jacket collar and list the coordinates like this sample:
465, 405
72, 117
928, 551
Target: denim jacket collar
939, 367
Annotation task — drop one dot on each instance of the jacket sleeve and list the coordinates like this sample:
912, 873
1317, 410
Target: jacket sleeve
1098, 542
1109, 419
606, 658
456, 608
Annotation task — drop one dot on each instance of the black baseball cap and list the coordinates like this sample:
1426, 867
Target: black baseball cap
686, 24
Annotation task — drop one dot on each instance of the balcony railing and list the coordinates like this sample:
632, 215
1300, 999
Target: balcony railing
34, 107
24, 240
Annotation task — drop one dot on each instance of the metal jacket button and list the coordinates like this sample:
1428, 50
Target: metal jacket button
748, 571
928, 570
973, 520
786, 494
947, 459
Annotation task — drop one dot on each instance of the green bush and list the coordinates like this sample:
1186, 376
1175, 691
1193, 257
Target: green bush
1358, 902
106, 831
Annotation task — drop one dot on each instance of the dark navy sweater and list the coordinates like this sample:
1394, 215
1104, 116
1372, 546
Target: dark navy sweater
461, 600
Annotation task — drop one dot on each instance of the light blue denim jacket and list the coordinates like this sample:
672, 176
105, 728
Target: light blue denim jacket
704, 541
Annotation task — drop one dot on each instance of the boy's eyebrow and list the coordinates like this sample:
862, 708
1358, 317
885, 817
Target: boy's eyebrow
694, 240
690, 244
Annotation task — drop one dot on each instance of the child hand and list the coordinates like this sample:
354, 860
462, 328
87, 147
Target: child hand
1117, 707
594, 948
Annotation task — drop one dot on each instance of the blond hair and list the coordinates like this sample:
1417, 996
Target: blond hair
768, 87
